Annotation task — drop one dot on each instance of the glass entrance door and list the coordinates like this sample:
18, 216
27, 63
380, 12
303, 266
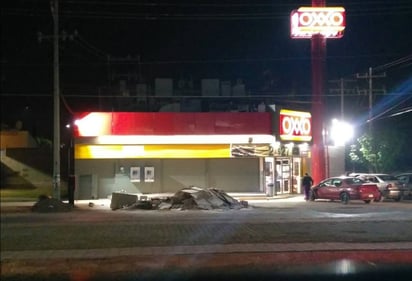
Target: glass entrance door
297, 163
283, 175
269, 176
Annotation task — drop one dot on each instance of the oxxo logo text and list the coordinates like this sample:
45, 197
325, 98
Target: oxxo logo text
295, 127
317, 19
327, 21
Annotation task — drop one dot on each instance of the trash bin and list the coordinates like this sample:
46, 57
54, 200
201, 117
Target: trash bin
271, 191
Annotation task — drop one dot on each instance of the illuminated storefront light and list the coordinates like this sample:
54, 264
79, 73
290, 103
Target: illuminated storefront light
303, 147
326, 21
185, 139
152, 151
295, 125
94, 124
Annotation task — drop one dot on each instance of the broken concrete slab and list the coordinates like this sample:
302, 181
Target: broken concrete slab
121, 199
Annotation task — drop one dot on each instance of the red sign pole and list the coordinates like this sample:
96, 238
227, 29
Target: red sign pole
318, 49
318, 23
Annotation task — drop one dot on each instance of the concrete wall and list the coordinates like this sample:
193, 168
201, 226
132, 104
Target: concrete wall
336, 160
100, 178
16, 139
28, 168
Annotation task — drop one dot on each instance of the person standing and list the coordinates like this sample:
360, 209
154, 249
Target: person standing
307, 182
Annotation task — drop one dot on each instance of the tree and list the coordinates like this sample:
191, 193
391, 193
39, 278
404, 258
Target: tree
379, 151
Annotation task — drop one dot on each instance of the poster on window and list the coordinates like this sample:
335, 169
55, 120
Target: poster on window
149, 174
135, 174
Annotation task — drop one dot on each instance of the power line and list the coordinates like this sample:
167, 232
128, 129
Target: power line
253, 93
400, 62
91, 48
370, 76
342, 92
401, 111
394, 63
200, 11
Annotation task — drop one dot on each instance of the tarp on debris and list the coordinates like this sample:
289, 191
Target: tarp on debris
185, 199
204, 198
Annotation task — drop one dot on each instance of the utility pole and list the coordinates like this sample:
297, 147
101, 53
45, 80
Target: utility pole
56, 101
370, 78
54, 7
342, 91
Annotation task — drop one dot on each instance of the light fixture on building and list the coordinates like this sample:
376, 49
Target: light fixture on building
340, 132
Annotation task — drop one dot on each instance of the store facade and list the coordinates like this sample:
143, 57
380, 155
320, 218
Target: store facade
291, 153
165, 152
160, 152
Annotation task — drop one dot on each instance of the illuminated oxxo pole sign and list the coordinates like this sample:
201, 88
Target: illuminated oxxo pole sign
327, 21
295, 125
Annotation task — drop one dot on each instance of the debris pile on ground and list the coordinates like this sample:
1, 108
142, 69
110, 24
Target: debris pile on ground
122, 200
46, 204
204, 199
192, 198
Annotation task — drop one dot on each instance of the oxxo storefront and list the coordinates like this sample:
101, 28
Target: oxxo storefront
291, 154
150, 153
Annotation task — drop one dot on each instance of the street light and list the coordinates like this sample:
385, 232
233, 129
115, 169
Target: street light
341, 132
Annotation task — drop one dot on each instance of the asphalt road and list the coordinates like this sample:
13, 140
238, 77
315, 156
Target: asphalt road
270, 232
285, 221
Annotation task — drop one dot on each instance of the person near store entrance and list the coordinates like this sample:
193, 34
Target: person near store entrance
307, 182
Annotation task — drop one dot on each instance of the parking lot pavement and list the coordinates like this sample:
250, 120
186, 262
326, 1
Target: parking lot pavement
108, 259
89, 206
104, 204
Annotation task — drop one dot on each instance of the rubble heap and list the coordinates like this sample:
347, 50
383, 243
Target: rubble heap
192, 198
204, 199
46, 204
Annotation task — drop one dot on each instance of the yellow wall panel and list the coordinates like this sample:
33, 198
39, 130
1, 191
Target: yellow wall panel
83, 151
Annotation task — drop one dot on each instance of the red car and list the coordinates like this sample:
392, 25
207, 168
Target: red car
345, 189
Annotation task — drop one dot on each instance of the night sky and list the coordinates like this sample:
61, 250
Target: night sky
193, 39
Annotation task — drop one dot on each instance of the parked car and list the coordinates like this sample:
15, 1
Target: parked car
389, 185
406, 181
345, 188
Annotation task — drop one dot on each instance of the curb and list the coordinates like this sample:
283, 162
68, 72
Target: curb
206, 249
